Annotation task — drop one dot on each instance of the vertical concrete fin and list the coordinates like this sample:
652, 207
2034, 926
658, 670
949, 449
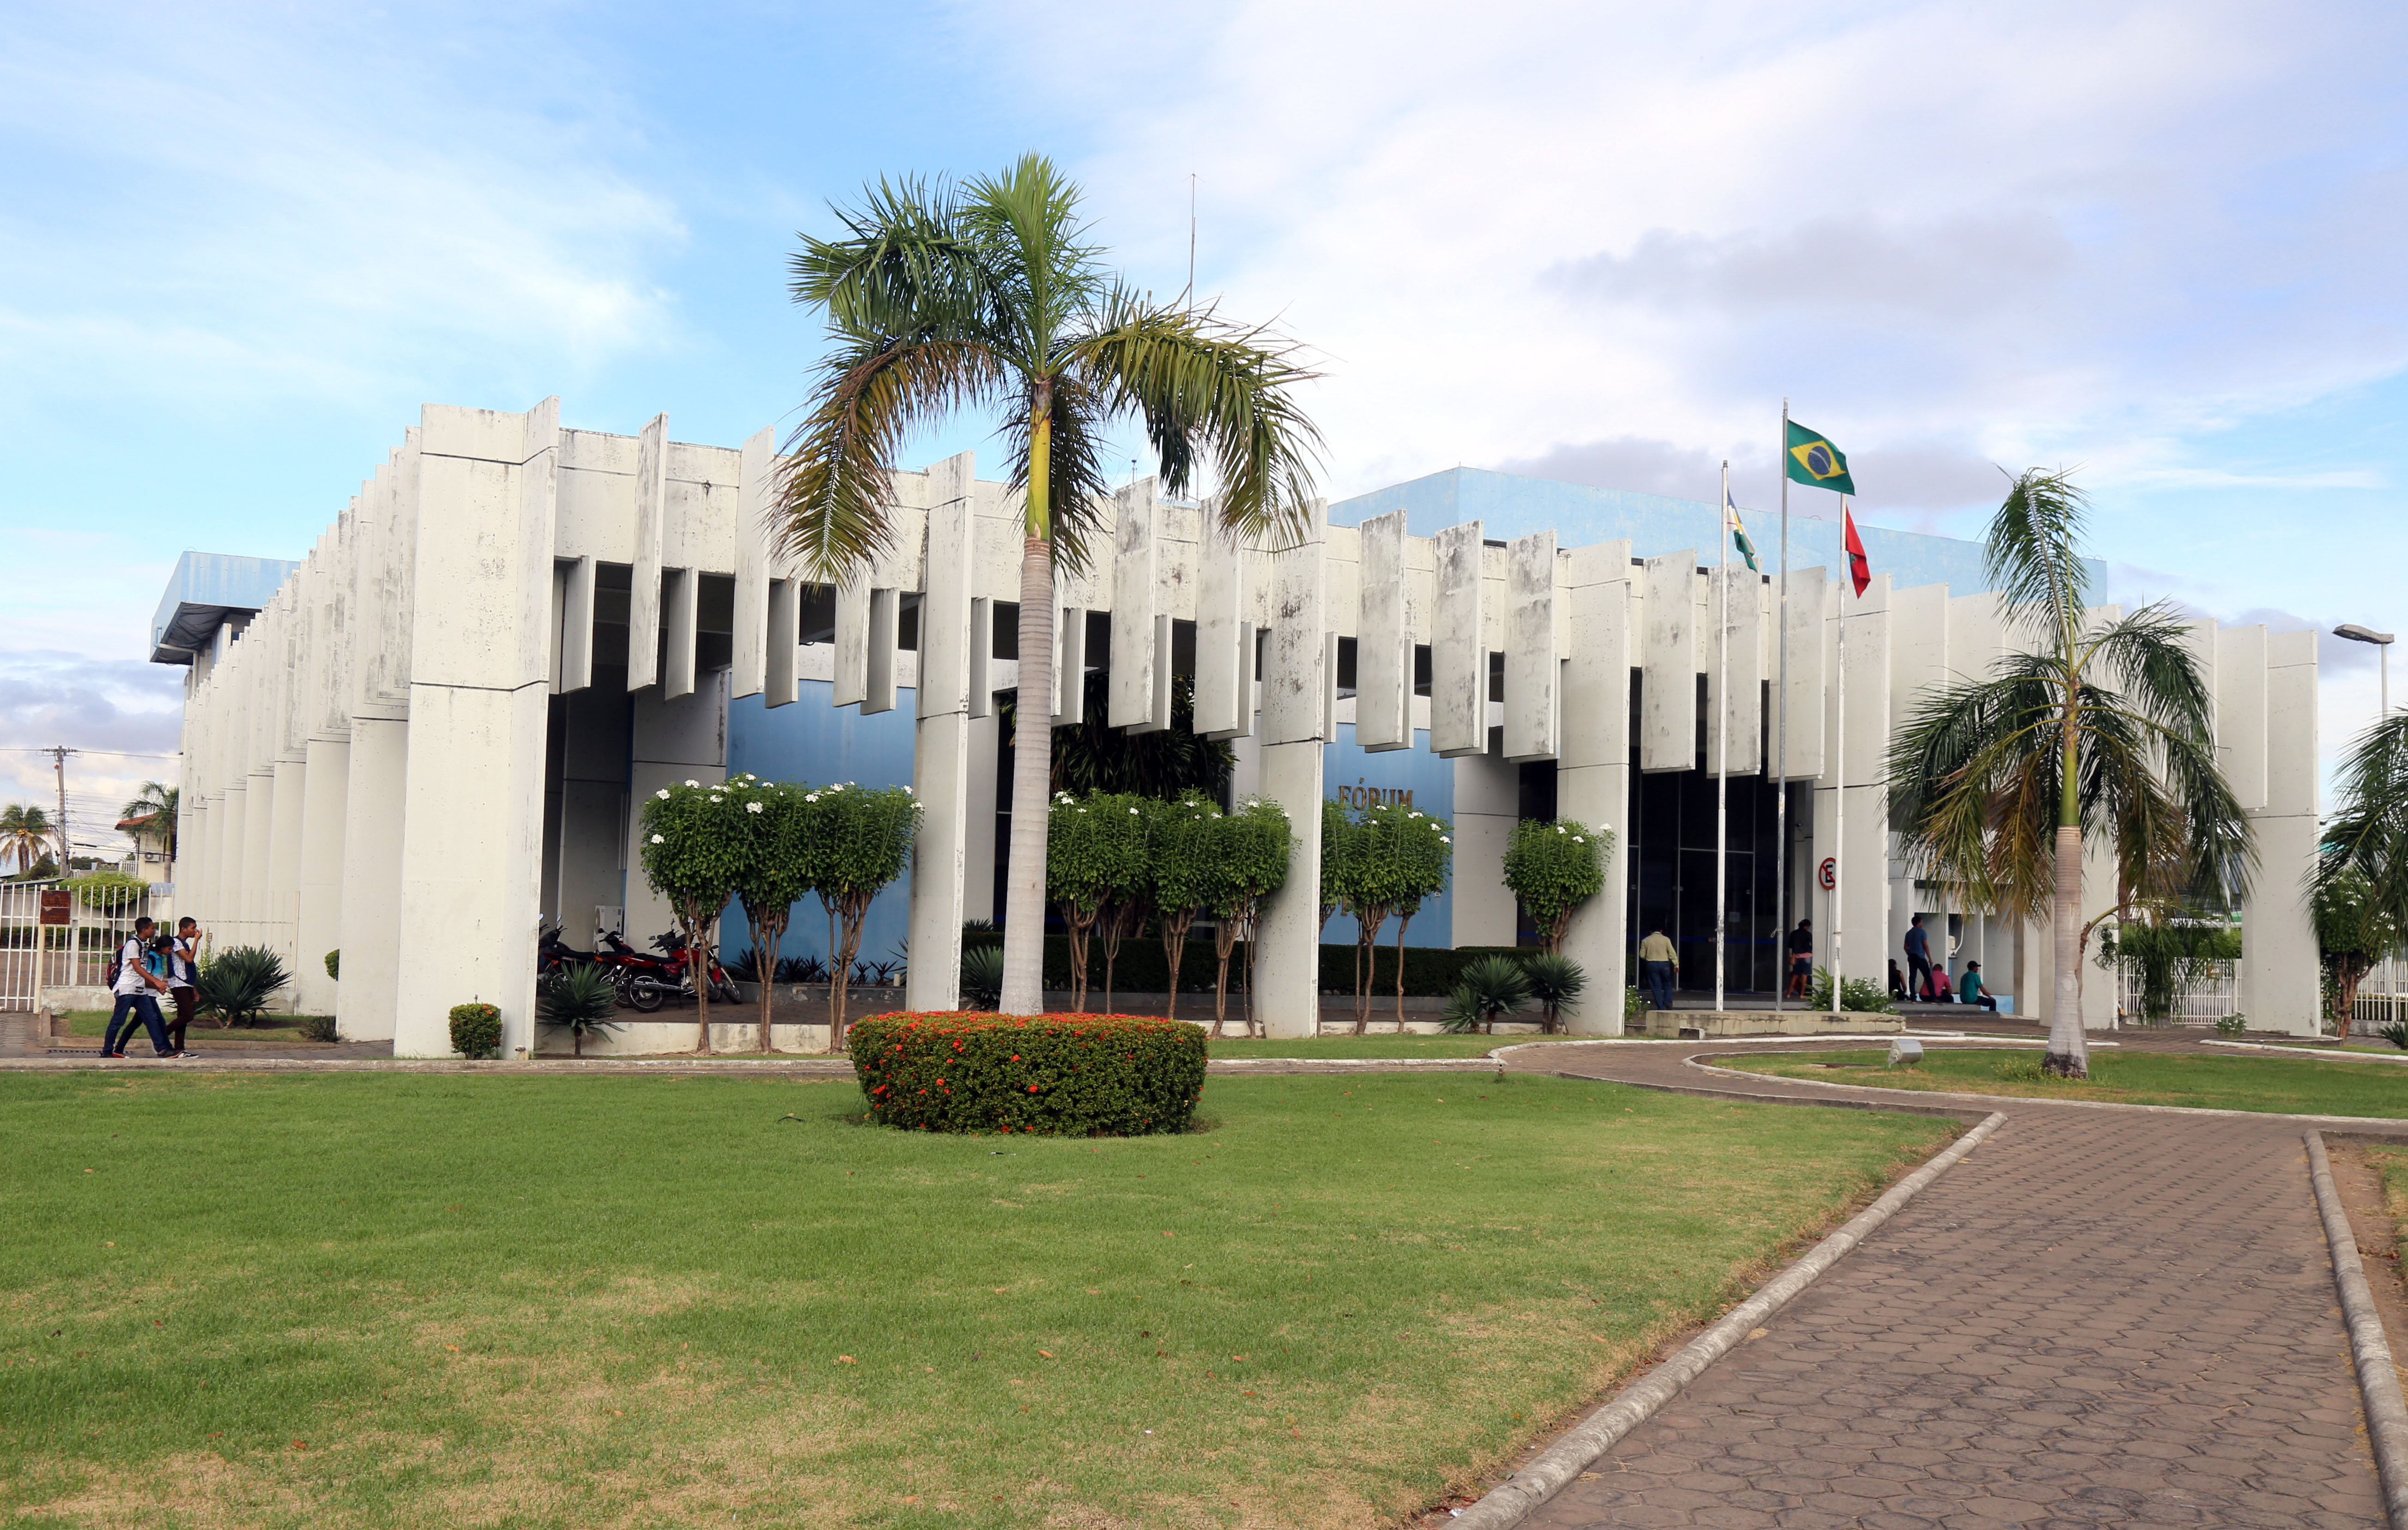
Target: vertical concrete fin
577, 626
680, 603
1668, 695
1070, 661
783, 640
1224, 707
538, 535
1804, 636
981, 696
2241, 732
756, 499
1532, 675
945, 600
1458, 649
1136, 565
883, 635
1299, 675
644, 588
1383, 638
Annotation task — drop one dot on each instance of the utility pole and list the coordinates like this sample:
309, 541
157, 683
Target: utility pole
59, 755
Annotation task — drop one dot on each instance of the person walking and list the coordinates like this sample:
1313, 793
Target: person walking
1801, 960
137, 988
1918, 959
183, 976
1971, 991
1656, 957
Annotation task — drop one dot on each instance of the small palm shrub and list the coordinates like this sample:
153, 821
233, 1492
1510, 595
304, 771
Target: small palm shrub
1490, 987
238, 984
2395, 1034
1555, 985
802, 969
319, 1027
581, 1000
476, 1030
744, 969
982, 977
2232, 1025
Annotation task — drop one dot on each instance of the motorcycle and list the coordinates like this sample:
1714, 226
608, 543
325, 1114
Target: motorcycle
653, 981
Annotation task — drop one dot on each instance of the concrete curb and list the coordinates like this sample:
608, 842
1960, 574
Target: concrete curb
2378, 1379
1509, 1502
2310, 1051
2043, 1100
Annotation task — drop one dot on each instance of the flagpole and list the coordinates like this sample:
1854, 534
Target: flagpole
1781, 746
1722, 749
1840, 772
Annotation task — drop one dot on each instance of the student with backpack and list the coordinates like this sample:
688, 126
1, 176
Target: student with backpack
135, 985
183, 984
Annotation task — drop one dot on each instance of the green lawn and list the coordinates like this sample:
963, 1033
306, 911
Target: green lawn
2228, 1082
94, 1023
443, 1299
2392, 1164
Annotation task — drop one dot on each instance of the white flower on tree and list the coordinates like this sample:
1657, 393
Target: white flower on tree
658, 840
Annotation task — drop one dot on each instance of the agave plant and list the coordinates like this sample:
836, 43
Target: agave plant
1486, 989
1555, 982
238, 984
581, 1000
982, 977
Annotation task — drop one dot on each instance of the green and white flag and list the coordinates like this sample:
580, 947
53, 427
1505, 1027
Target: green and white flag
1740, 543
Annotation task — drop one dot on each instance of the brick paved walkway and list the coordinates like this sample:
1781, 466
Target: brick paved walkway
2098, 1318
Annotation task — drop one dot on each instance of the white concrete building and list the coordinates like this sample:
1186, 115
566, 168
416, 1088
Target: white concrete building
436, 732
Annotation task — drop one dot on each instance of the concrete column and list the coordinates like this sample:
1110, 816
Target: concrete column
253, 903
940, 754
1532, 670
374, 806
1668, 691
2278, 937
324, 790
1487, 805
1459, 647
1593, 776
1861, 925
284, 832
1296, 686
202, 902
472, 832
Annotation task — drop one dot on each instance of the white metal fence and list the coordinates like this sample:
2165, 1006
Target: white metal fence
35, 956
2381, 997
2204, 1003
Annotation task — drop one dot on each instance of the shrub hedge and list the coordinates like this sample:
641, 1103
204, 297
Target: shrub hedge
1431, 971
476, 1030
1066, 1075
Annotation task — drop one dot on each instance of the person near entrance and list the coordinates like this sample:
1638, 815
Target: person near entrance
1801, 960
1970, 989
133, 987
183, 984
1918, 959
1656, 956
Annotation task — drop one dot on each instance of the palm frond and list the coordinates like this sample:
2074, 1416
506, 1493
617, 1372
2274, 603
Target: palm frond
2032, 557
838, 492
2365, 840
1046, 274
1210, 389
903, 260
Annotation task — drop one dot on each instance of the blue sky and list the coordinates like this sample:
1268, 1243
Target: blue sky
1601, 241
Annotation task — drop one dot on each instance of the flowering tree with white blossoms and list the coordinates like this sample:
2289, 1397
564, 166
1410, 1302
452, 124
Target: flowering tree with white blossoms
1094, 853
1398, 857
854, 841
1554, 868
774, 872
693, 852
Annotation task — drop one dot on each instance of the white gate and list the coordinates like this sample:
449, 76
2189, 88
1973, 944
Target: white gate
76, 954
2206, 1002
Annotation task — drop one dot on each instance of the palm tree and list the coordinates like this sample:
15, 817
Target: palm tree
159, 804
2360, 893
985, 295
2101, 727
24, 834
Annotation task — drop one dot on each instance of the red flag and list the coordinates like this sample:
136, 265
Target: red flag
1860, 571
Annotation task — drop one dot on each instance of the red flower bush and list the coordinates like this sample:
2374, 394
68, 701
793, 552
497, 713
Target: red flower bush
1069, 1074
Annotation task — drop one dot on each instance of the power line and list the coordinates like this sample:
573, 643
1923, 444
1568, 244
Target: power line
122, 754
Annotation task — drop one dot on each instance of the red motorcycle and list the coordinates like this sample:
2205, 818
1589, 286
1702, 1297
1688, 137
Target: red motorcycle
646, 982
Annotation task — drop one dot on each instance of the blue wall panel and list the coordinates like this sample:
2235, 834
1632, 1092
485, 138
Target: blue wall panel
1350, 774
816, 743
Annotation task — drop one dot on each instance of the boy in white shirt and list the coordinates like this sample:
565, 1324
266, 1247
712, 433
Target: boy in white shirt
135, 989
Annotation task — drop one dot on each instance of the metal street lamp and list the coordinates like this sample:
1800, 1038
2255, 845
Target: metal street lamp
2382, 642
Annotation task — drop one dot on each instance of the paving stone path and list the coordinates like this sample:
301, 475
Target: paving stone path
2098, 1318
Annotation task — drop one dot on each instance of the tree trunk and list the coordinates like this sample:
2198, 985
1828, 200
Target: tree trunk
853, 908
1401, 922
1032, 768
764, 969
1225, 940
2348, 973
697, 970
2069, 1052
1174, 945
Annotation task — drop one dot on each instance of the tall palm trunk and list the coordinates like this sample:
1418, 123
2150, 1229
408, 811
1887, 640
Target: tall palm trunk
2069, 1051
1032, 742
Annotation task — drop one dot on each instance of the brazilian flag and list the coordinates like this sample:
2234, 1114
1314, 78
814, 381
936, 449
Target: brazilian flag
1816, 461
